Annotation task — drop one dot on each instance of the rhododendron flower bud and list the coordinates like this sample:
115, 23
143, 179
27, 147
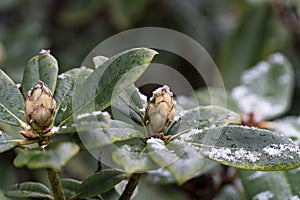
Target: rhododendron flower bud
160, 110
40, 108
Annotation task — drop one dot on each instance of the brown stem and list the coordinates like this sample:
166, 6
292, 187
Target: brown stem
130, 187
56, 186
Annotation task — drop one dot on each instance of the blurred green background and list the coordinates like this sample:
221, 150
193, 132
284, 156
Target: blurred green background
236, 33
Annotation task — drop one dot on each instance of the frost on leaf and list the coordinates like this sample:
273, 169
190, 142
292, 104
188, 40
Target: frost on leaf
272, 157
266, 88
234, 156
156, 144
266, 195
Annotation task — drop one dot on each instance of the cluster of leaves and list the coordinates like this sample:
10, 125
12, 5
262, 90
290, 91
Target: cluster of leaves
264, 93
196, 134
64, 86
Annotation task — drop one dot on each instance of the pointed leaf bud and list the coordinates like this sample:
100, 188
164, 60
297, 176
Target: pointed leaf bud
40, 107
160, 110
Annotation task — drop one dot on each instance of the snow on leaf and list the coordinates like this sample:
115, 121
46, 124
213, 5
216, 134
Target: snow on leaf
266, 195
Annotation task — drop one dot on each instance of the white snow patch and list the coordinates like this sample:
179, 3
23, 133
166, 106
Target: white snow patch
248, 155
143, 97
55, 129
189, 135
296, 197
247, 101
277, 58
83, 115
44, 51
105, 114
63, 76
266, 195
18, 85
96, 113
161, 172
281, 149
127, 148
258, 70
272, 151
159, 89
143, 109
255, 175
220, 154
156, 143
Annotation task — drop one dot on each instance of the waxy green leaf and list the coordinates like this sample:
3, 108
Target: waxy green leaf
29, 190
274, 185
244, 147
65, 87
99, 183
201, 117
11, 102
85, 122
131, 105
266, 89
105, 84
7, 142
181, 160
55, 156
100, 137
42, 67
289, 126
133, 158
70, 187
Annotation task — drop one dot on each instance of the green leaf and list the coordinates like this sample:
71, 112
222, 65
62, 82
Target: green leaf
70, 186
100, 182
162, 176
132, 157
55, 156
203, 116
131, 105
289, 126
29, 190
65, 87
274, 185
105, 84
85, 122
11, 101
42, 67
216, 96
2, 197
244, 147
267, 88
230, 192
100, 137
7, 142
182, 161
99, 60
